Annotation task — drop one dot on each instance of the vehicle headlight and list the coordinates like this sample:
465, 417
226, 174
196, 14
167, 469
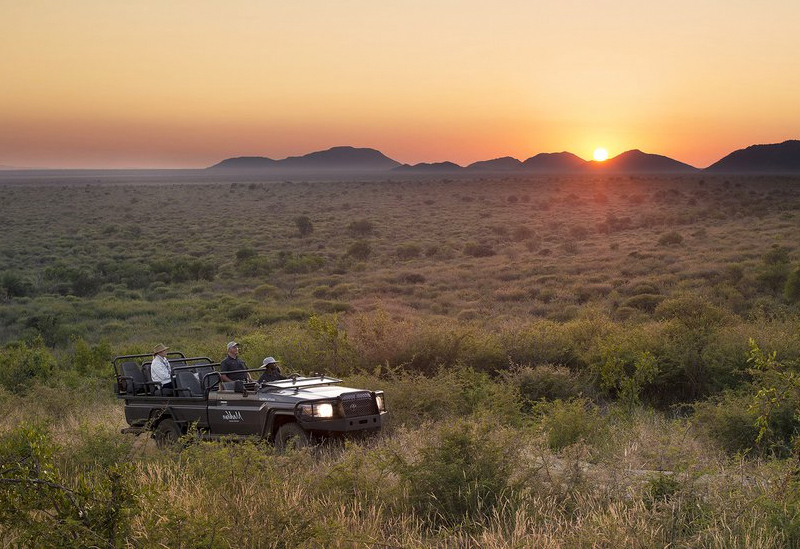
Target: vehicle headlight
321, 410
324, 410
380, 402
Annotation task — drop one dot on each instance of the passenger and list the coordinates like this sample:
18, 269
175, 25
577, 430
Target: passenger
160, 370
233, 363
273, 372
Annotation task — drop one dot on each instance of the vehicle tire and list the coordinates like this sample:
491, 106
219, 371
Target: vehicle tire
167, 434
291, 435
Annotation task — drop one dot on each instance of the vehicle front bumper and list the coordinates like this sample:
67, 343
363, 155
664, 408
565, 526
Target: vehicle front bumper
343, 425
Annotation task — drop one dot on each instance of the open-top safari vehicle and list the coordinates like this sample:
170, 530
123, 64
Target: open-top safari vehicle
297, 409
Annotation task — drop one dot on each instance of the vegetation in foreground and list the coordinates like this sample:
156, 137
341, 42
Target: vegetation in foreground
574, 362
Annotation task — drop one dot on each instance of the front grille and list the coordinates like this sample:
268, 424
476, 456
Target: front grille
359, 404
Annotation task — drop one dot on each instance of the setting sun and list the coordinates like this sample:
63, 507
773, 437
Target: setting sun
600, 154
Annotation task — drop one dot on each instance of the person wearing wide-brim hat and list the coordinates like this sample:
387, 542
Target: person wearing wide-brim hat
273, 372
160, 370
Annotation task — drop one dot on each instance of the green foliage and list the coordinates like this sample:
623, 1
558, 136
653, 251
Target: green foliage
304, 225
773, 274
40, 508
360, 250
91, 359
461, 475
23, 364
627, 380
301, 263
14, 285
791, 290
544, 382
566, 422
660, 488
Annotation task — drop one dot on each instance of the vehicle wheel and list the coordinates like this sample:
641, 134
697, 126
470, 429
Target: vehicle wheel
167, 434
291, 435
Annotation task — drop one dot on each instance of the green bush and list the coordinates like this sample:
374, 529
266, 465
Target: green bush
463, 474
544, 382
361, 227
791, 290
567, 422
360, 250
304, 225
23, 364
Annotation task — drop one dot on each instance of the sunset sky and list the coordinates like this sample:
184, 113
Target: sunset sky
165, 83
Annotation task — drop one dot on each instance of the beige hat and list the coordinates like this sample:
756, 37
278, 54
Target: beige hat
160, 347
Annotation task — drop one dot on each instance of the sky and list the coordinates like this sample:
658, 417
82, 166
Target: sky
186, 83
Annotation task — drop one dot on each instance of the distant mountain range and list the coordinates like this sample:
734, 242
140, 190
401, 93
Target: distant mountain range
776, 158
348, 159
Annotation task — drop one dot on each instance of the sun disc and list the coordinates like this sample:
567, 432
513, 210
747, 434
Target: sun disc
600, 154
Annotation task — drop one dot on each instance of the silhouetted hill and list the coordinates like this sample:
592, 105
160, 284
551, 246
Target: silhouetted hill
636, 161
560, 162
338, 159
775, 158
246, 163
504, 164
426, 167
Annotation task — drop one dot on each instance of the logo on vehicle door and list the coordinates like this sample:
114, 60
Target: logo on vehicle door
232, 416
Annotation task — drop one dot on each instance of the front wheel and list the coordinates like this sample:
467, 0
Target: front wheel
291, 435
167, 434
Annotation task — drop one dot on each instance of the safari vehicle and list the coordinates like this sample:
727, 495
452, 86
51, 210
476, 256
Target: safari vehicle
295, 410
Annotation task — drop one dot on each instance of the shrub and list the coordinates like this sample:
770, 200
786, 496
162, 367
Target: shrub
408, 251
728, 422
255, 266
521, 233
361, 227
304, 225
545, 382
478, 250
461, 475
568, 422
360, 250
303, 263
14, 285
643, 302
791, 290
670, 239
243, 254
23, 364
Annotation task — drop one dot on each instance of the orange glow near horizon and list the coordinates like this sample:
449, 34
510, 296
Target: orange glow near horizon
600, 154
93, 83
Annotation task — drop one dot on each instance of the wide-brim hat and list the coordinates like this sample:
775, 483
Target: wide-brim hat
269, 360
160, 347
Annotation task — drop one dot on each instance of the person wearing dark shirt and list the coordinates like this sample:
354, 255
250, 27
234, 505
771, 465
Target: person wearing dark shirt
273, 372
231, 363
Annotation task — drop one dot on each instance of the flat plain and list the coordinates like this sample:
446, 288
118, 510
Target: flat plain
568, 360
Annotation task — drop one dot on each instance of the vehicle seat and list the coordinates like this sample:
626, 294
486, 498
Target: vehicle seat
135, 381
156, 386
228, 385
187, 384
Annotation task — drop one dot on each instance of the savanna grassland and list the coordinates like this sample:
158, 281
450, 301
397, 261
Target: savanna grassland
568, 361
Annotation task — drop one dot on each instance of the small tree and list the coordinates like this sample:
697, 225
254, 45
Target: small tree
304, 225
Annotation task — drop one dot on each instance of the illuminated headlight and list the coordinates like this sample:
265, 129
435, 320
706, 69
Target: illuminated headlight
380, 402
322, 410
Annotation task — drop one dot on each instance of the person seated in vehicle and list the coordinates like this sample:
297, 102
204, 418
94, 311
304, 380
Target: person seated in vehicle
231, 363
160, 370
273, 372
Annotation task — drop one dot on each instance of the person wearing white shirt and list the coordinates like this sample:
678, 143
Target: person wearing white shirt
160, 370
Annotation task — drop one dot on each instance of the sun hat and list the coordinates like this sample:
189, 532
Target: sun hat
232, 344
158, 348
269, 360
